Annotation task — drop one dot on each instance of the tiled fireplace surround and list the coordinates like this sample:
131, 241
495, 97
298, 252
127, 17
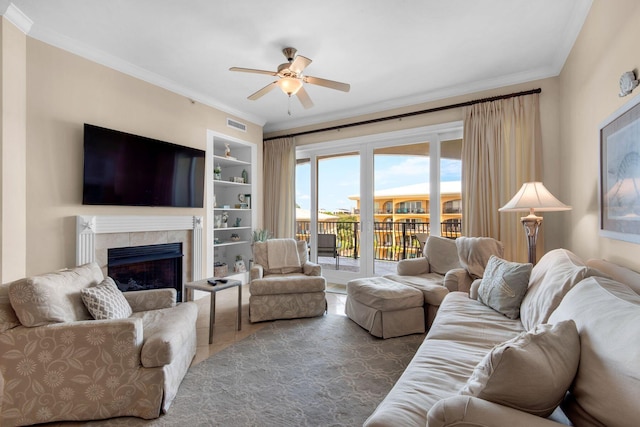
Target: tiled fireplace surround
97, 234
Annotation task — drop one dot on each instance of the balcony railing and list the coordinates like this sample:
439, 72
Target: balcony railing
393, 241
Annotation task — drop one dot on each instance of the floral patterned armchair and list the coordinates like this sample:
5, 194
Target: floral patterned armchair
284, 284
58, 363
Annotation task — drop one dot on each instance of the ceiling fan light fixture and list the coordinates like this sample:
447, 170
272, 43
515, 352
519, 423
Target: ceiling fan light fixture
290, 85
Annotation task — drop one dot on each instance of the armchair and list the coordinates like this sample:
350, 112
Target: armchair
284, 284
328, 246
60, 364
427, 273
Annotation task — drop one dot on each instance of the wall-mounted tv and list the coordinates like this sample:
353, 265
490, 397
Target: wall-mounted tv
128, 170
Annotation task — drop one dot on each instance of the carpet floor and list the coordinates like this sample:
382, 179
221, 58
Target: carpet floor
324, 371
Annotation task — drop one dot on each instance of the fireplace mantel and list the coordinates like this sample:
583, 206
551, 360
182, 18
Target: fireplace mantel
87, 227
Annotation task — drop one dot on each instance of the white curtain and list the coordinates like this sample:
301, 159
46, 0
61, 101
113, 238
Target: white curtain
279, 187
501, 150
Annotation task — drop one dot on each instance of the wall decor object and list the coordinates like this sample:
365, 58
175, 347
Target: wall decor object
619, 184
628, 83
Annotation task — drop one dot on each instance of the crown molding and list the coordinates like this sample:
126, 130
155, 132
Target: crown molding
103, 58
18, 18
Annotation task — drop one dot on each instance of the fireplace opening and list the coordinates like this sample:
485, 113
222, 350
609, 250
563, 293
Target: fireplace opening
147, 267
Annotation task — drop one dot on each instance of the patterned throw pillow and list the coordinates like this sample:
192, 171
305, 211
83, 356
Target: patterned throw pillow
105, 301
503, 286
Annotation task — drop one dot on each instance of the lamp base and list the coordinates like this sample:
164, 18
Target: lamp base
531, 225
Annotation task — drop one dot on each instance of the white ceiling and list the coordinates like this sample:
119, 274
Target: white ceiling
393, 53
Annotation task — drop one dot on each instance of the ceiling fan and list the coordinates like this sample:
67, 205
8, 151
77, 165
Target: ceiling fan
291, 78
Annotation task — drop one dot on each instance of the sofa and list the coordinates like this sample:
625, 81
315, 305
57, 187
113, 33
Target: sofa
284, 284
558, 347
73, 347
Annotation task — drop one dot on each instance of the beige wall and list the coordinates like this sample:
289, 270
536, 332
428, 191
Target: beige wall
606, 48
65, 91
551, 234
13, 151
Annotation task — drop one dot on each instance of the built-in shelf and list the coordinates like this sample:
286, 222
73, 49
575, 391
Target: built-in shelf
226, 161
226, 192
230, 243
222, 183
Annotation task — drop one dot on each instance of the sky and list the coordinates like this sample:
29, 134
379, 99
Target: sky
339, 178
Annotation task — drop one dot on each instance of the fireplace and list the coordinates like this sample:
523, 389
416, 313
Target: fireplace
147, 267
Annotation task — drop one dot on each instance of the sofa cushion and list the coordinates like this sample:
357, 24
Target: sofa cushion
605, 389
531, 372
8, 318
463, 332
105, 301
295, 283
442, 254
503, 286
553, 276
54, 297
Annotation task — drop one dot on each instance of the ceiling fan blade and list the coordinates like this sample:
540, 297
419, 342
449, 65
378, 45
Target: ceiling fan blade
303, 96
262, 91
327, 83
299, 64
251, 70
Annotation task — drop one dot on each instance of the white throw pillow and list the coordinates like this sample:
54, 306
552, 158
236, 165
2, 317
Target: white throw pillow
105, 301
503, 286
531, 372
553, 276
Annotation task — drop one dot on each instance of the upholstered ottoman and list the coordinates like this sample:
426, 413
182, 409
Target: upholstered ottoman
384, 307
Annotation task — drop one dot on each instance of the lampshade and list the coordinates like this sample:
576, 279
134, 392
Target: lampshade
533, 196
290, 85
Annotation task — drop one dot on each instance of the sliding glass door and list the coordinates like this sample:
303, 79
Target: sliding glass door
369, 202
400, 203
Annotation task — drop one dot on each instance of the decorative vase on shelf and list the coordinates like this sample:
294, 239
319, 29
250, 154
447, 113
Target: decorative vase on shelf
217, 173
245, 176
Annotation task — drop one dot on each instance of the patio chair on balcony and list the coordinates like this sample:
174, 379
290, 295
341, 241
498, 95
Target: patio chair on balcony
422, 239
327, 246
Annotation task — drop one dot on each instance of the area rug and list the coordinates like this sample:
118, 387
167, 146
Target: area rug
324, 371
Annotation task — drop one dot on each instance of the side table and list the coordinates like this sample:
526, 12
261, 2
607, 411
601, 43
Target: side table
203, 285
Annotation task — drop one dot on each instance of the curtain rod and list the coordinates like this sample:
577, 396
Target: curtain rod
401, 116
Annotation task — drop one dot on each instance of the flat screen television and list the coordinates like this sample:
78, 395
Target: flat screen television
129, 170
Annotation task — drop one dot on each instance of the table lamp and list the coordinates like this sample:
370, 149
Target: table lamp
533, 196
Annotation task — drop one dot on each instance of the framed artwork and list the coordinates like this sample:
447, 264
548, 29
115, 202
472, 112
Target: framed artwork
619, 191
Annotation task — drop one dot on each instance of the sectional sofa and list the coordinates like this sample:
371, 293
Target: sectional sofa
566, 350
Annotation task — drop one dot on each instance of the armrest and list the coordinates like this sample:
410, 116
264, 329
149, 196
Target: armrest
151, 299
256, 272
311, 269
468, 411
413, 266
473, 292
457, 280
